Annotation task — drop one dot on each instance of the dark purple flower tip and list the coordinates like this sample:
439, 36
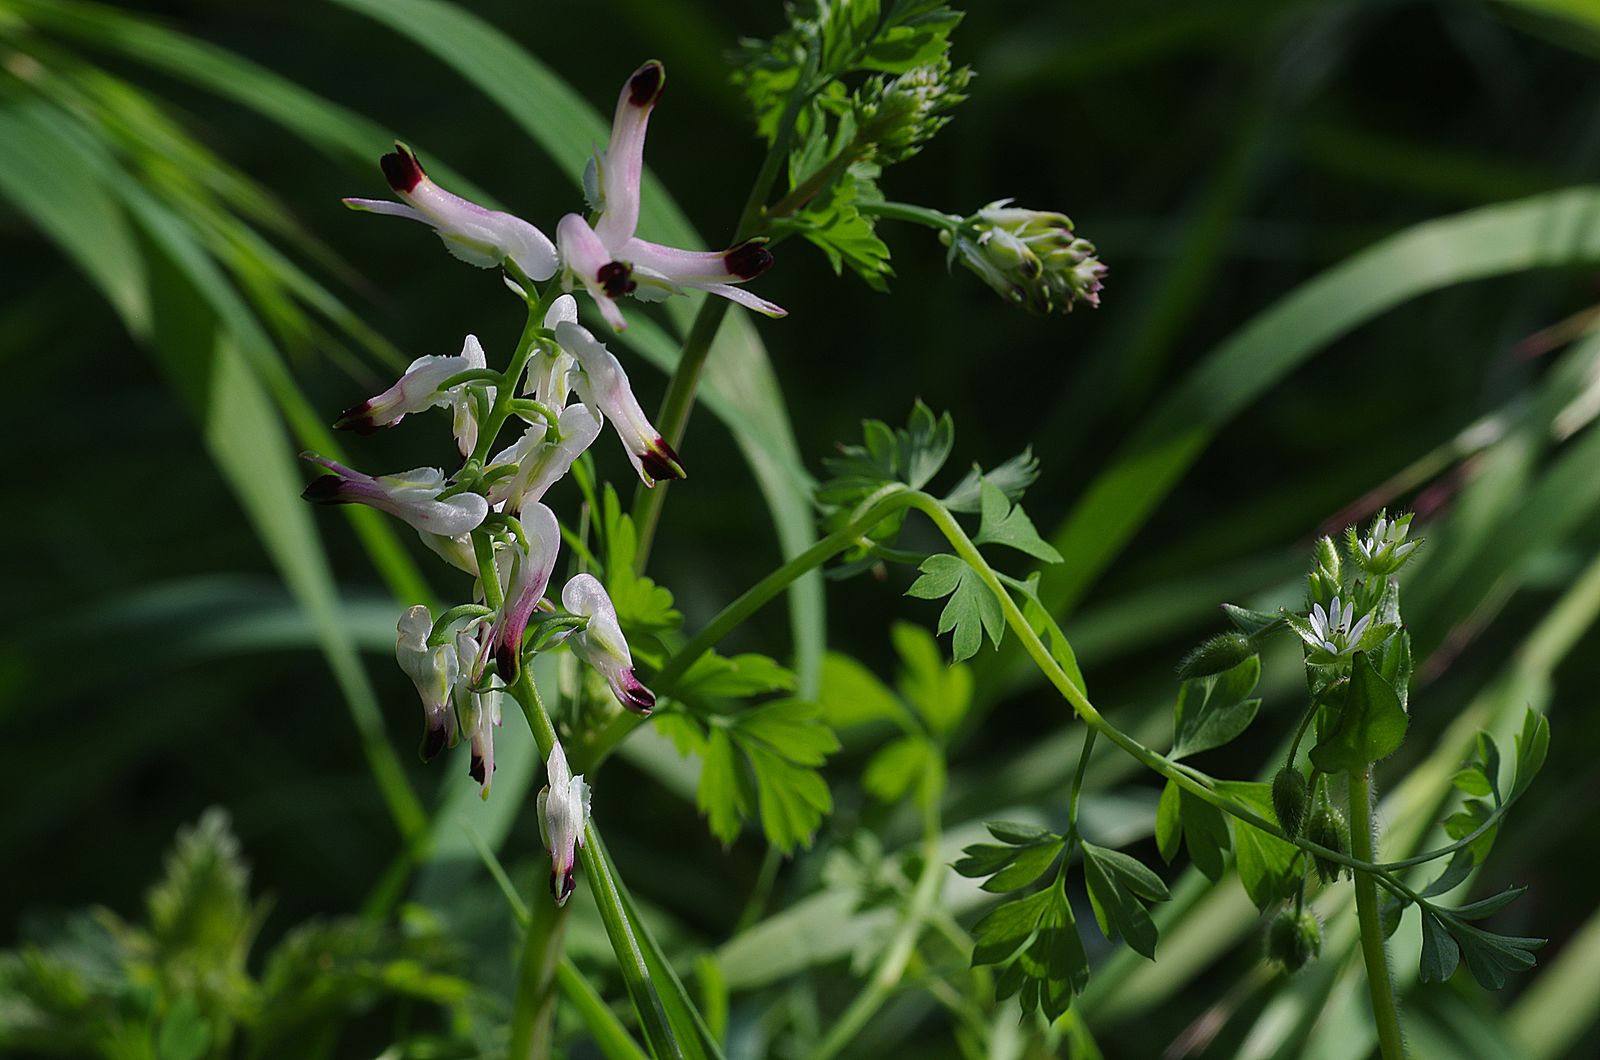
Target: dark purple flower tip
358, 418
634, 695
644, 87
434, 739
616, 277
749, 259
506, 658
326, 489
402, 169
475, 770
660, 462
561, 886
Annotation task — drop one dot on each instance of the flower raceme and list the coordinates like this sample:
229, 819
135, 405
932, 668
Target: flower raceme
1031, 258
610, 261
601, 645
563, 814
476, 235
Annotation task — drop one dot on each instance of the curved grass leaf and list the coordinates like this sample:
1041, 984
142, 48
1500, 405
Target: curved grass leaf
1547, 231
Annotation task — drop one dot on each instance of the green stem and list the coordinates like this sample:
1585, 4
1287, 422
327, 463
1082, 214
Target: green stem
534, 1011
601, 878
1379, 984
673, 418
892, 965
905, 211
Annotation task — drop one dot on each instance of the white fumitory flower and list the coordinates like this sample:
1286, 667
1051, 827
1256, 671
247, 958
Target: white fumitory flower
1332, 627
434, 671
524, 583
610, 261
412, 496
563, 814
601, 644
603, 386
476, 235
478, 712
542, 458
418, 389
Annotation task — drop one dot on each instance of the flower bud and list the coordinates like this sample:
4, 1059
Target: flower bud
563, 808
1384, 549
601, 643
1222, 652
433, 671
1324, 582
1328, 828
1293, 939
1031, 258
1289, 800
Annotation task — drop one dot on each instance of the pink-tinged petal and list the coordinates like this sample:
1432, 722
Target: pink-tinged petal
745, 298
479, 236
604, 386
530, 575
412, 496
734, 265
623, 165
591, 264
384, 206
601, 644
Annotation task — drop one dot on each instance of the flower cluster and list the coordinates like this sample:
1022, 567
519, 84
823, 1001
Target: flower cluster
1355, 607
561, 386
1031, 258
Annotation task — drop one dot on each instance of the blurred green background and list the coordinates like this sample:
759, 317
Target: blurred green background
1220, 156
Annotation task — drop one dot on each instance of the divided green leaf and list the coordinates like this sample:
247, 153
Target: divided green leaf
1266, 863
1116, 885
972, 610
1003, 523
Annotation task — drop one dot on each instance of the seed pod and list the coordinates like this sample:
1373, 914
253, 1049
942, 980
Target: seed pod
1289, 800
1328, 828
1292, 939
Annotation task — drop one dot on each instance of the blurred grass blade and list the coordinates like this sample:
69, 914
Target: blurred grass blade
202, 334
564, 124
1558, 229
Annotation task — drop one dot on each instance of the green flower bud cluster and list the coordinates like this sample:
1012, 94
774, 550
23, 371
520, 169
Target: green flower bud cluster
1031, 258
898, 115
1293, 939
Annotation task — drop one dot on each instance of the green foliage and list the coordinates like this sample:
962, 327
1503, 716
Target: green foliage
644, 608
1214, 710
761, 762
972, 610
1368, 727
1183, 818
1268, 867
1006, 524
1119, 886
909, 455
177, 987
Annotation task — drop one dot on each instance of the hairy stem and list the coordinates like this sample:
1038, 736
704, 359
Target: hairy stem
1379, 984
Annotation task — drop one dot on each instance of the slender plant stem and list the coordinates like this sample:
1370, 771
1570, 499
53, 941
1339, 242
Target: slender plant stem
892, 965
533, 1014
905, 211
1379, 983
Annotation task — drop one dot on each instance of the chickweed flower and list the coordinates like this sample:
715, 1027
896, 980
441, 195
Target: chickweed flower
1384, 549
601, 644
476, 235
434, 672
412, 496
563, 815
610, 261
1335, 634
418, 389
1031, 258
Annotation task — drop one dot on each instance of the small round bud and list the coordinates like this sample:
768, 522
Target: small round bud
1289, 800
1328, 828
1293, 939
1222, 652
